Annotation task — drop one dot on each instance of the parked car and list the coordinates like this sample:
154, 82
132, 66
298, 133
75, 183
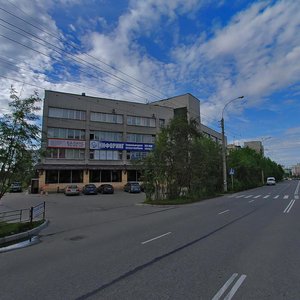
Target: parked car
72, 189
132, 187
106, 189
16, 187
271, 181
90, 189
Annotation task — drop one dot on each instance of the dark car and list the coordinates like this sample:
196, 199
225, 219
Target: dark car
132, 187
106, 189
71, 190
16, 187
90, 189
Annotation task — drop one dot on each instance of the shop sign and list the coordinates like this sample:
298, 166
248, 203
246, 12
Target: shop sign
59, 143
107, 145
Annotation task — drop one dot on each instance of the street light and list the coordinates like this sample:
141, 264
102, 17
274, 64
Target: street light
223, 145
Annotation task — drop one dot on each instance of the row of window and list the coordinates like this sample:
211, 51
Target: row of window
76, 176
62, 153
79, 134
103, 117
65, 133
67, 113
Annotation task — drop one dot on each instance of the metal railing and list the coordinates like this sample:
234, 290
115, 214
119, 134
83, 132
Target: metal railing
34, 213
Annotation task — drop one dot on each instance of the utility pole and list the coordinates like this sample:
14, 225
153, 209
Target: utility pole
224, 146
224, 157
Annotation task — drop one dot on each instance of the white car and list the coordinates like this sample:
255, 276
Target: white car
271, 181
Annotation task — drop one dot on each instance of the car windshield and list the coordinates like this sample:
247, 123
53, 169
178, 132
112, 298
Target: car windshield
90, 186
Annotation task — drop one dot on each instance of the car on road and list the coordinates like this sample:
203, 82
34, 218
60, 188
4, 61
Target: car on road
71, 190
90, 189
15, 187
271, 181
106, 189
132, 187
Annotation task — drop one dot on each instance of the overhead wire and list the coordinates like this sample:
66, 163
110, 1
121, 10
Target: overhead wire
96, 94
59, 60
74, 59
77, 48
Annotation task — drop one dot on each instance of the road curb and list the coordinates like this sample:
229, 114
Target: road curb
22, 235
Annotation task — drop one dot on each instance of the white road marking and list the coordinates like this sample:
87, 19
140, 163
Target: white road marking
223, 212
248, 196
233, 290
235, 287
297, 188
251, 201
257, 196
240, 196
276, 196
224, 287
158, 237
286, 197
288, 208
296, 196
265, 197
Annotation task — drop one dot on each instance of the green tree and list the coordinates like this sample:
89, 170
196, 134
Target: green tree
251, 167
167, 170
19, 136
207, 168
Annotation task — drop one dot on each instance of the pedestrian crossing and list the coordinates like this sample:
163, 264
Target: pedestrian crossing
267, 196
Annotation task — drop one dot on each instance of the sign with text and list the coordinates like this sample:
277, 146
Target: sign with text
60, 143
107, 145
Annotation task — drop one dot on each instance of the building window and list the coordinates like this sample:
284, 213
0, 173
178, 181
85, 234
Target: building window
61, 153
65, 133
161, 123
64, 176
140, 138
105, 155
64, 113
141, 121
105, 176
133, 175
135, 155
106, 136
106, 118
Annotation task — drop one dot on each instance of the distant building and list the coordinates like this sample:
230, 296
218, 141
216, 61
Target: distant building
255, 145
96, 140
233, 147
296, 170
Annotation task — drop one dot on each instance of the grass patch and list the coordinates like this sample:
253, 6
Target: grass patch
180, 200
7, 229
173, 201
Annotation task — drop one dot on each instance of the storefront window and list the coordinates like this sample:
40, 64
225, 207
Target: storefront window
94, 175
65, 176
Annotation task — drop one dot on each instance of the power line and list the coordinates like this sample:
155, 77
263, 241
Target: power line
77, 48
81, 70
70, 56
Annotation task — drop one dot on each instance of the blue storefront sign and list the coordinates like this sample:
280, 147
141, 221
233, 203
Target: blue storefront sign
107, 145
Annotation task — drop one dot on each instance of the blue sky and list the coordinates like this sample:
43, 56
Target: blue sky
152, 49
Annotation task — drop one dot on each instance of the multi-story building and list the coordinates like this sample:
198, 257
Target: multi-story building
296, 170
255, 145
96, 140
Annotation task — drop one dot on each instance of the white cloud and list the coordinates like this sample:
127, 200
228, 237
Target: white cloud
256, 54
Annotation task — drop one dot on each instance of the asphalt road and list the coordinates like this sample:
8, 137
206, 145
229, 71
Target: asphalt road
242, 246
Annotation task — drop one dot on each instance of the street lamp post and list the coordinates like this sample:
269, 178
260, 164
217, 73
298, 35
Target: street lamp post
223, 145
